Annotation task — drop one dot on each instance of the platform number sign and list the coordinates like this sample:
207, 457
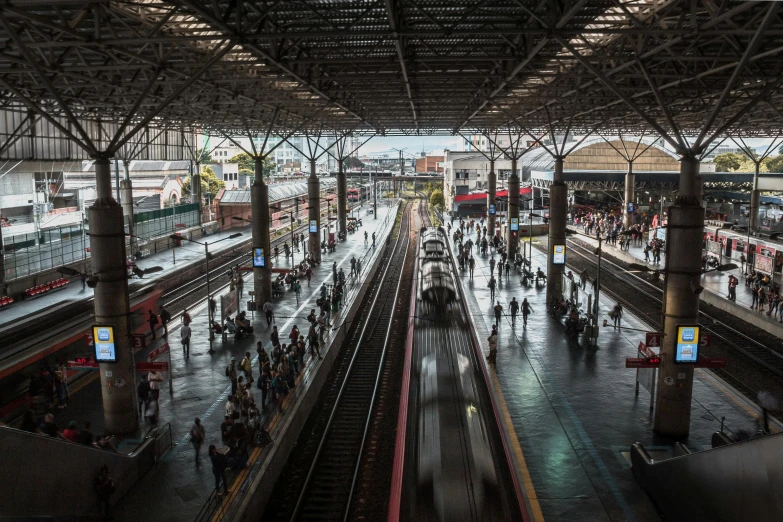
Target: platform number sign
652, 340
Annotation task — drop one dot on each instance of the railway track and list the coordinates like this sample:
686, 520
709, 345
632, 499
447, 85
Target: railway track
748, 357
336, 471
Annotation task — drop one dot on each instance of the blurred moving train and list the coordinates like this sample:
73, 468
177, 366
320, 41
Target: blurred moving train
436, 277
763, 255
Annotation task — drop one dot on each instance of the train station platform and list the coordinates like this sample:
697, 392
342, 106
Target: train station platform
182, 256
715, 283
571, 412
175, 488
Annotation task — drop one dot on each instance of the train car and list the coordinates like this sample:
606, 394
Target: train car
436, 278
353, 194
727, 245
456, 473
359, 193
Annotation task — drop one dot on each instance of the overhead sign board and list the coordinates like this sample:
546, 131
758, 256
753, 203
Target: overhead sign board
259, 260
157, 352
652, 339
152, 366
105, 348
558, 254
514, 224
687, 350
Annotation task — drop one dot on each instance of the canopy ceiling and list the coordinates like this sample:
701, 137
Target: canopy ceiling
398, 66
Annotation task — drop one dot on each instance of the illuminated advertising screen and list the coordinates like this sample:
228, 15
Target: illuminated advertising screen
687, 344
630, 208
313, 226
514, 224
491, 208
558, 254
103, 339
258, 258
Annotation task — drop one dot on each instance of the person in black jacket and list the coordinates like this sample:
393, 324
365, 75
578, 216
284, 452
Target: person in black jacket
219, 466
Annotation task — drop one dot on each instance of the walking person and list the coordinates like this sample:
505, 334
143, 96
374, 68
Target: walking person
270, 316
143, 393
165, 319
246, 364
298, 291
498, 313
514, 307
231, 373
197, 435
84, 281
155, 378
491, 286
617, 313
526, 310
185, 333
492, 266
240, 284
471, 265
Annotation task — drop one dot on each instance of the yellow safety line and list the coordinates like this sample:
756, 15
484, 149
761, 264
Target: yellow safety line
530, 490
232, 491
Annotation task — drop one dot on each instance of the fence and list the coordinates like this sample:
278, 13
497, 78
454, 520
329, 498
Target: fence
57, 246
159, 223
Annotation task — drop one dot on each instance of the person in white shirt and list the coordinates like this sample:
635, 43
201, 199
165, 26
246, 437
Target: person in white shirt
155, 378
185, 333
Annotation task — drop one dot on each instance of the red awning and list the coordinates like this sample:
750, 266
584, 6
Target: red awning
482, 196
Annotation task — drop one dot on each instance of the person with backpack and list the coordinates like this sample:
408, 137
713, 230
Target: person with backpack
153, 320
231, 373
197, 435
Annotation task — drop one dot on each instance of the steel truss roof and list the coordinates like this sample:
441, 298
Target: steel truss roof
689, 70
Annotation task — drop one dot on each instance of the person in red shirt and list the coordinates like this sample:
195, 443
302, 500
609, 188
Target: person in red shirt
71, 433
294, 336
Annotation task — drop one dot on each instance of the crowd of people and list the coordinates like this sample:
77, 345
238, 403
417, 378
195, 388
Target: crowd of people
609, 227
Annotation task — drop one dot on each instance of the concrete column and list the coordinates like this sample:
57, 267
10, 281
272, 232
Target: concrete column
2, 259
342, 197
195, 188
491, 195
630, 180
314, 210
680, 303
513, 211
259, 199
107, 242
126, 196
755, 200
558, 203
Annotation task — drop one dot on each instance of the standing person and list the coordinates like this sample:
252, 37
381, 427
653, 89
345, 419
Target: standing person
492, 266
471, 265
246, 364
583, 277
526, 310
212, 309
297, 291
197, 436
143, 393
498, 313
104, 488
743, 260
733, 281
61, 384
491, 286
231, 373
493, 345
274, 337
514, 307
353, 266
240, 284
155, 378
270, 316
185, 333
373, 239
646, 253
165, 318
153, 320
309, 275
84, 280
219, 465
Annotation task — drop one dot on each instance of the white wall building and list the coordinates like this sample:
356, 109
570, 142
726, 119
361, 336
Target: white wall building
467, 172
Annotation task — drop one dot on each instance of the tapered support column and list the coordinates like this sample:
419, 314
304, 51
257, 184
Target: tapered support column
491, 195
126, 195
2, 258
558, 206
342, 197
513, 211
259, 198
755, 200
630, 180
107, 243
314, 211
680, 303
195, 188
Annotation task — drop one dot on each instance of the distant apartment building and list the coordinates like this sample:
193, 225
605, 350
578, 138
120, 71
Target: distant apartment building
429, 164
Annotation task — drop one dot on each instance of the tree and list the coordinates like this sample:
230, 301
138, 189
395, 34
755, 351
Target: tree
209, 183
247, 165
352, 163
774, 163
728, 162
436, 199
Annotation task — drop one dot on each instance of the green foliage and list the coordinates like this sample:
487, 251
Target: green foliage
352, 163
209, 183
247, 165
729, 162
436, 199
774, 163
